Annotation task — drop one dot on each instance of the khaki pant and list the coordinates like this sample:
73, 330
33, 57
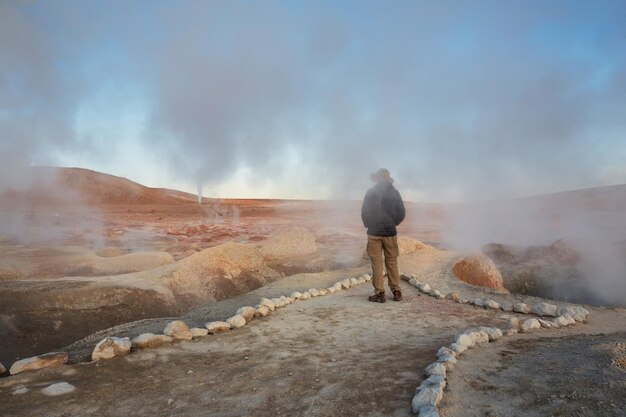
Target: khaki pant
376, 245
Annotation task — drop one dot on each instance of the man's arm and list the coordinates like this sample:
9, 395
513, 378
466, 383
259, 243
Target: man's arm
399, 209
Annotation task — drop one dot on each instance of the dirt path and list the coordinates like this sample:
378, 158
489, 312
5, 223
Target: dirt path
328, 356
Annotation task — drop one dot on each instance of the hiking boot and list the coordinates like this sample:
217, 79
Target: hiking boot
397, 295
377, 298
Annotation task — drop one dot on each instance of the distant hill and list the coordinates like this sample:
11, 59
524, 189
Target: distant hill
53, 186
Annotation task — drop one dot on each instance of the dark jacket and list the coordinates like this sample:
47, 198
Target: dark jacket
382, 210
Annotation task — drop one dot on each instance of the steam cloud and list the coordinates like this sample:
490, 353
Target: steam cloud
460, 100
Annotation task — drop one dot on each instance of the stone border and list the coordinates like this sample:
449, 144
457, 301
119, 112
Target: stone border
111, 347
430, 392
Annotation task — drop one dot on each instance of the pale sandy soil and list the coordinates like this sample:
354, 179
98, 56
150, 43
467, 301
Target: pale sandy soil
337, 355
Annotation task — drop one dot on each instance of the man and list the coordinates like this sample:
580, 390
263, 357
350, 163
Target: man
381, 212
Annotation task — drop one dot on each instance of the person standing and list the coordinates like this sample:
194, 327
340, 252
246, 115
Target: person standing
381, 212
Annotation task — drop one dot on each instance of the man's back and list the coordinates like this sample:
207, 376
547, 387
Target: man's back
382, 210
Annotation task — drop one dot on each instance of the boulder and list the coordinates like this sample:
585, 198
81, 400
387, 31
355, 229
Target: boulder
2, 368
151, 340
521, 308
513, 323
354, 282
428, 411
545, 323
215, 327
454, 296
493, 332
268, 303
296, 294
510, 332
412, 281
457, 348
111, 347
346, 284
436, 368
246, 312
478, 302
330, 290
464, 340
261, 311
314, 292
367, 277
492, 305
198, 332
323, 292
479, 337
479, 270
530, 324
337, 286
237, 321
278, 303
576, 312
447, 359
305, 295
425, 288
46, 360
445, 351
426, 396
178, 330
60, 388
506, 306
437, 294
545, 309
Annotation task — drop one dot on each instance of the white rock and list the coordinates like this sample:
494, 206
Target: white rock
111, 347
337, 286
237, 321
545, 309
492, 305
479, 302
510, 332
513, 323
447, 359
246, 312
545, 323
151, 340
425, 288
445, 351
215, 327
531, 324
314, 292
323, 292
46, 360
262, 311
479, 337
570, 320
60, 388
305, 295
268, 303
199, 332
20, 390
457, 348
506, 306
464, 340
278, 303
433, 381
178, 330
437, 294
354, 282
521, 308
331, 290
367, 277
426, 396
576, 312
296, 294
346, 283
493, 332
436, 368
2, 368
428, 411
413, 282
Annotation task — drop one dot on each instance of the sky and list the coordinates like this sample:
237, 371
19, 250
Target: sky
460, 100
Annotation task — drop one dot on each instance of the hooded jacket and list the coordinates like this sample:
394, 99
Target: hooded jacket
382, 210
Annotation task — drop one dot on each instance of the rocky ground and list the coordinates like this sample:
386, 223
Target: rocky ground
342, 355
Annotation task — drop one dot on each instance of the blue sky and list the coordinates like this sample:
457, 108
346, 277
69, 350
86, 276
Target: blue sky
459, 100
